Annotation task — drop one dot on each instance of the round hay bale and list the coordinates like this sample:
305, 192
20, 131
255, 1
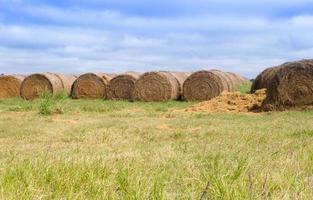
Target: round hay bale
238, 79
235, 79
263, 79
91, 86
122, 86
10, 86
205, 85
157, 86
181, 78
227, 79
242, 78
34, 85
291, 86
67, 82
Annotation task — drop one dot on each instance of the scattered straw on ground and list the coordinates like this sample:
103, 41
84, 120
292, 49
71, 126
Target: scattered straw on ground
234, 102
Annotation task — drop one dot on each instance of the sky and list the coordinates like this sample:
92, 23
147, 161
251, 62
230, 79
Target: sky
76, 36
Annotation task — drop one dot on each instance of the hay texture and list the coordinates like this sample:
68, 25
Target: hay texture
181, 78
263, 79
10, 86
159, 86
291, 87
91, 86
34, 85
207, 84
237, 78
228, 81
231, 102
122, 86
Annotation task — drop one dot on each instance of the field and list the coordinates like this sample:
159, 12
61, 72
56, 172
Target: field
57, 148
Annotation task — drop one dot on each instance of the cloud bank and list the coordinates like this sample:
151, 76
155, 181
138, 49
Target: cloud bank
116, 36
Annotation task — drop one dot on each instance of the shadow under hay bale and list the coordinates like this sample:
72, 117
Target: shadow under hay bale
36, 84
263, 80
207, 84
10, 86
291, 86
122, 86
91, 86
159, 86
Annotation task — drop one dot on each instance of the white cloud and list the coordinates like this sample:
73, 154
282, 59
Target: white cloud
302, 21
139, 42
50, 35
77, 40
114, 19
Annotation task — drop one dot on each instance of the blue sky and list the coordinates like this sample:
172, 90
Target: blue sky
77, 36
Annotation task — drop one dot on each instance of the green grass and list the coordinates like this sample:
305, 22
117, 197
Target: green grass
245, 87
97, 149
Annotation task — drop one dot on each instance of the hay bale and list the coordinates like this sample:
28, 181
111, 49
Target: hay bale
159, 86
91, 86
206, 84
234, 79
227, 79
67, 82
34, 85
263, 80
10, 86
122, 86
242, 78
237, 78
181, 78
291, 86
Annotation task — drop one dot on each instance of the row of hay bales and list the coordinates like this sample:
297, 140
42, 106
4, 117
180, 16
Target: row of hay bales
150, 86
288, 85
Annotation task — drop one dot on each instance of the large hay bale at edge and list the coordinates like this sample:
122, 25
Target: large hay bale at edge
158, 86
91, 86
205, 85
122, 86
10, 86
263, 79
292, 86
34, 85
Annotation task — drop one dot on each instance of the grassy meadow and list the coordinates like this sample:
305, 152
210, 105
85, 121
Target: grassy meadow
57, 148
